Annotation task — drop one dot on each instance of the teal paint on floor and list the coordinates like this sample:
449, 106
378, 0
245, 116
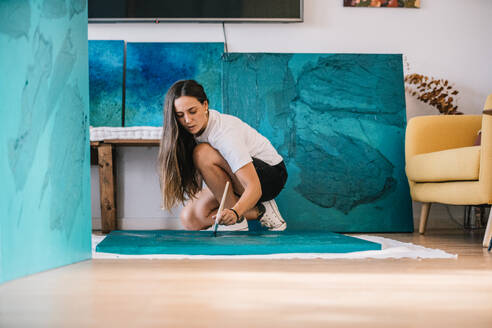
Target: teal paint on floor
230, 243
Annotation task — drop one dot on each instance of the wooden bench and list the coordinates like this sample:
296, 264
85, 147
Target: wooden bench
102, 154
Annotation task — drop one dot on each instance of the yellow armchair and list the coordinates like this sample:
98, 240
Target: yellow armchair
443, 166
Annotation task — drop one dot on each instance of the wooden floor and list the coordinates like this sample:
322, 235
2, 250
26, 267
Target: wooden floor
263, 293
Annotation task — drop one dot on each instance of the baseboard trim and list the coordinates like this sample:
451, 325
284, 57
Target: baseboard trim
439, 218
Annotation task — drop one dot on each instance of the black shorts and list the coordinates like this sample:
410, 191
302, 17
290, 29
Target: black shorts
272, 178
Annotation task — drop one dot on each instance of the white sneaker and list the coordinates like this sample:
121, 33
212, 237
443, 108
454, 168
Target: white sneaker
240, 226
271, 218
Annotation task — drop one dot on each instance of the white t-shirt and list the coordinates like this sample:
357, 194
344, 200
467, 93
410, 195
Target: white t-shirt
236, 141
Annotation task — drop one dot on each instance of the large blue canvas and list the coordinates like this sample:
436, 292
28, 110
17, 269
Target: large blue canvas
106, 82
230, 243
151, 68
339, 122
45, 214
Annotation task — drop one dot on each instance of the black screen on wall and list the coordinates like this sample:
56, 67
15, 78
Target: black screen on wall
195, 10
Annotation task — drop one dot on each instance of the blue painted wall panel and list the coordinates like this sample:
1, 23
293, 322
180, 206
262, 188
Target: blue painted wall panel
339, 122
106, 82
45, 214
153, 67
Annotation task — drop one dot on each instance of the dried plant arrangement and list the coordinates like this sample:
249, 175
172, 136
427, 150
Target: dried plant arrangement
435, 92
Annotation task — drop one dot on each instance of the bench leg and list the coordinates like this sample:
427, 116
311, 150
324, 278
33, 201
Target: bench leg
106, 185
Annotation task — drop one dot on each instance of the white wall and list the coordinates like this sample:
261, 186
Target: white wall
448, 39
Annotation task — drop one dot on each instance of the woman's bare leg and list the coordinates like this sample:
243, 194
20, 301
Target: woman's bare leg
197, 213
216, 172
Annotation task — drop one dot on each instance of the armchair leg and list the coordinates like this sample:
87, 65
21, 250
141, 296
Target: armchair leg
424, 214
488, 232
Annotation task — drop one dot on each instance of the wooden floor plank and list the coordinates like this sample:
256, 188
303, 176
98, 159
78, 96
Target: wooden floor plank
263, 293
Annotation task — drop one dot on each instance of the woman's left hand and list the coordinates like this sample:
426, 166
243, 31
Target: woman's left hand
227, 217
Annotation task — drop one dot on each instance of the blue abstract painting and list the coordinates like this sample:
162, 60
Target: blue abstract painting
106, 82
339, 122
45, 213
230, 243
153, 67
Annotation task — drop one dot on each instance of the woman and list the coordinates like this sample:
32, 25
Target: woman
200, 144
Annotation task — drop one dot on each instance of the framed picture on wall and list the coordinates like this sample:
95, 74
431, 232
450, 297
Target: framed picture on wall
382, 3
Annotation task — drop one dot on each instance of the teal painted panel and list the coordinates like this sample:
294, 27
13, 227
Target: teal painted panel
151, 68
106, 82
230, 243
45, 214
339, 122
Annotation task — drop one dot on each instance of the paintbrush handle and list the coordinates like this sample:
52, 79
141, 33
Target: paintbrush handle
222, 202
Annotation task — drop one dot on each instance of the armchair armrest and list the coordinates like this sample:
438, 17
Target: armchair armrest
425, 134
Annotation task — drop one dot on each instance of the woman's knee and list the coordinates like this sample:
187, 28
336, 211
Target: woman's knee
189, 219
204, 155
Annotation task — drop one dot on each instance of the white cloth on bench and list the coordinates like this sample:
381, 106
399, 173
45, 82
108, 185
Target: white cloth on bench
132, 132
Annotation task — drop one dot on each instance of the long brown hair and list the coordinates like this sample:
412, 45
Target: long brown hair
178, 176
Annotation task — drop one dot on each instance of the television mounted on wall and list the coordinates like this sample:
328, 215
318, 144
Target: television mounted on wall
128, 11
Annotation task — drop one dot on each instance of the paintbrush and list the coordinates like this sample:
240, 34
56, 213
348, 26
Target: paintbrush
221, 207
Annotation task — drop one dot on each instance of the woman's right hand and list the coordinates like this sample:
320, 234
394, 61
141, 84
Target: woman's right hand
227, 217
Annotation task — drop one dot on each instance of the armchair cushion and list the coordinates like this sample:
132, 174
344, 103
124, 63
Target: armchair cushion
458, 164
